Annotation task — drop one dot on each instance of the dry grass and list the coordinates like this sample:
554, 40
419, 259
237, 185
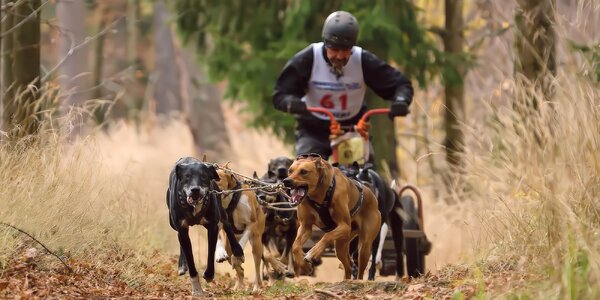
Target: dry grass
540, 178
102, 196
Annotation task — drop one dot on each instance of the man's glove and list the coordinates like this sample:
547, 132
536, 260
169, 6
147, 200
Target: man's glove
335, 130
294, 105
363, 128
399, 107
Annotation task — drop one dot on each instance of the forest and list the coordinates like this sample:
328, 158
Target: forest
100, 98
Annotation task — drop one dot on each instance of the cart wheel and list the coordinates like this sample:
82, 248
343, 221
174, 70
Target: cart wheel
415, 258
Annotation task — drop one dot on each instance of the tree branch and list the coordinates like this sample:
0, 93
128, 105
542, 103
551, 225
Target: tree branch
441, 32
31, 15
29, 235
328, 293
75, 48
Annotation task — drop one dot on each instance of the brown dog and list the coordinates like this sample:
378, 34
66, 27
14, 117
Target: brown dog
248, 221
341, 207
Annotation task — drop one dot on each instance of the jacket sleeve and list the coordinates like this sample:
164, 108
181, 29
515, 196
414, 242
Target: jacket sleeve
293, 79
383, 79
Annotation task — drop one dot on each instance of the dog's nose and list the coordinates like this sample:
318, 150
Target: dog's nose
288, 182
195, 191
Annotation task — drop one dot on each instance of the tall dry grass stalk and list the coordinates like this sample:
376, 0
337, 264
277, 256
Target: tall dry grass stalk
539, 173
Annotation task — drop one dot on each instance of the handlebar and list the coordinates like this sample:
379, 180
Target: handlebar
324, 111
335, 124
364, 118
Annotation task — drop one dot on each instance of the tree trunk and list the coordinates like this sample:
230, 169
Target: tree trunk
100, 111
75, 82
166, 89
454, 88
1, 73
535, 63
202, 108
536, 46
132, 7
22, 77
7, 78
181, 86
384, 140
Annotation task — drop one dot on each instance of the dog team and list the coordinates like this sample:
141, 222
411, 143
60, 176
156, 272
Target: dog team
351, 205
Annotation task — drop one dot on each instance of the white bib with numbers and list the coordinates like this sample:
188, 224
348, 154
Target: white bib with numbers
342, 96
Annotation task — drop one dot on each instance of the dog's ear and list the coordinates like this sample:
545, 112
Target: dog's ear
368, 166
178, 171
204, 157
319, 161
212, 171
254, 175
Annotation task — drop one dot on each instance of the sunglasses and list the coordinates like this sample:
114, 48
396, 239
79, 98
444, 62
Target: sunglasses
311, 155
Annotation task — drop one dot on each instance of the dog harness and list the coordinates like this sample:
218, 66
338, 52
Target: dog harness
235, 199
323, 209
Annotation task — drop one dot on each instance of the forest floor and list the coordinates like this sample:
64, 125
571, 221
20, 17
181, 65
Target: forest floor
32, 274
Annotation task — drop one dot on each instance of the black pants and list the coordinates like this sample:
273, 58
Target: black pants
317, 141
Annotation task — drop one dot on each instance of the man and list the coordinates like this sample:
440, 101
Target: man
334, 74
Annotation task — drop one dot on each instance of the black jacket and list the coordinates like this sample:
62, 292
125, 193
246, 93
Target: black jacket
384, 80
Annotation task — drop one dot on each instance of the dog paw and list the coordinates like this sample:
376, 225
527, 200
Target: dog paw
196, 288
208, 276
317, 261
198, 293
239, 285
313, 261
289, 274
279, 267
221, 255
236, 261
308, 257
305, 269
182, 270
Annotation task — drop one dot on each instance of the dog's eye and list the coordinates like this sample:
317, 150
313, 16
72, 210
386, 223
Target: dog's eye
303, 172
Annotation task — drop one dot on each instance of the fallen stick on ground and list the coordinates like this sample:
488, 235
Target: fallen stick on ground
328, 293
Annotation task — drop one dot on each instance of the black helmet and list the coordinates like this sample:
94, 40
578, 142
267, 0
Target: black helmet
340, 30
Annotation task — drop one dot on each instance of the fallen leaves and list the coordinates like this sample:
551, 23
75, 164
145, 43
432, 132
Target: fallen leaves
31, 274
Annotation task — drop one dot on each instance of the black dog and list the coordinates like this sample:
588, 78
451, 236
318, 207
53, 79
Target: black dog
388, 201
191, 201
280, 231
278, 168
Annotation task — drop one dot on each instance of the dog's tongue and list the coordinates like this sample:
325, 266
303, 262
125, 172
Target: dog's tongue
297, 195
190, 201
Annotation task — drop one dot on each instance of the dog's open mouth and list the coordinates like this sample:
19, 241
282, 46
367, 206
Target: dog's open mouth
193, 200
298, 194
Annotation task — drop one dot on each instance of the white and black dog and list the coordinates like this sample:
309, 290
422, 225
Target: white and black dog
191, 201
